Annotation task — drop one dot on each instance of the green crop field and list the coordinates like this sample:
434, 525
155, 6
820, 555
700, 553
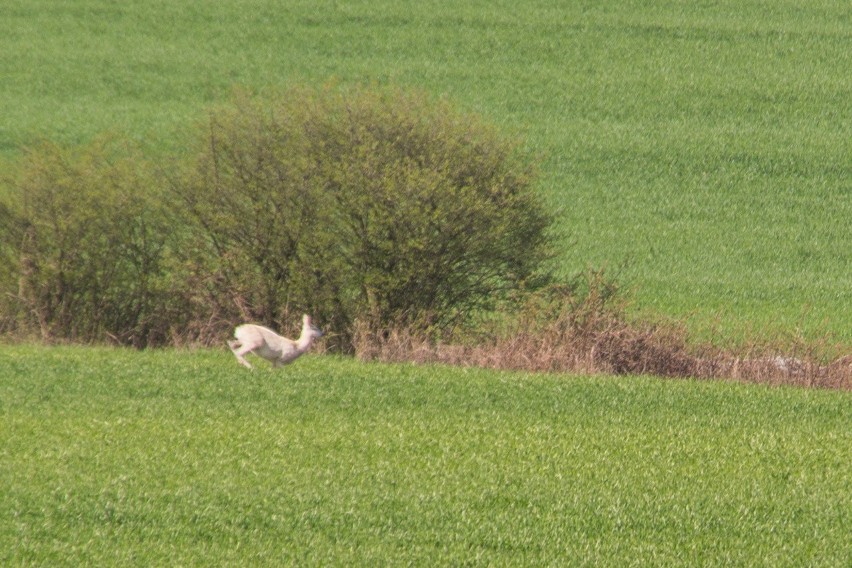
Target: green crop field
700, 150
704, 148
117, 457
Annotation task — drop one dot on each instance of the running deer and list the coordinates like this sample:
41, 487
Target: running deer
265, 343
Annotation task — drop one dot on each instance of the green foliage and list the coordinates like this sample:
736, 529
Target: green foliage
373, 205
85, 237
162, 457
257, 215
439, 214
362, 204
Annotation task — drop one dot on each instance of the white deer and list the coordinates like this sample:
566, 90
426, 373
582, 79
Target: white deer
265, 343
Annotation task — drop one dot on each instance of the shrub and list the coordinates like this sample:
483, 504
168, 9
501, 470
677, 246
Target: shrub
260, 244
378, 206
86, 239
375, 205
438, 216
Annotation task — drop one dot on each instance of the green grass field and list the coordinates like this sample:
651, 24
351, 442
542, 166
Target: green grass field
116, 457
706, 145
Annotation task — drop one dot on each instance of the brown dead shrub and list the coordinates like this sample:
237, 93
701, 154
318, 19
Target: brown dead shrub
562, 329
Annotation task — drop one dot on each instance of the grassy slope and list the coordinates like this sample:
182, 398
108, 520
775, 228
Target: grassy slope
708, 144
114, 457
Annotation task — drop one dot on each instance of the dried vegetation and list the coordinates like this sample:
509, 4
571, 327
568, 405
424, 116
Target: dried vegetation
563, 329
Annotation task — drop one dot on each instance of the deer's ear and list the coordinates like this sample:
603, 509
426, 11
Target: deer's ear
306, 319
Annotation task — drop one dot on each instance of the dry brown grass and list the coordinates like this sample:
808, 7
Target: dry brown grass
618, 351
589, 333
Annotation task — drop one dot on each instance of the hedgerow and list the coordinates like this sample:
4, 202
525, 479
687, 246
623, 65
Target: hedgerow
374, 205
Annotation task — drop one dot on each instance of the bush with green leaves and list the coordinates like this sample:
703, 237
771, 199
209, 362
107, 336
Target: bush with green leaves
83, 241
369, 205
374, 204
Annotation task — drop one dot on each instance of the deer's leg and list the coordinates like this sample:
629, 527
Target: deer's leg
239, 350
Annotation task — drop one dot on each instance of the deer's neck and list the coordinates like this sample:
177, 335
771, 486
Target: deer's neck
304, 341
